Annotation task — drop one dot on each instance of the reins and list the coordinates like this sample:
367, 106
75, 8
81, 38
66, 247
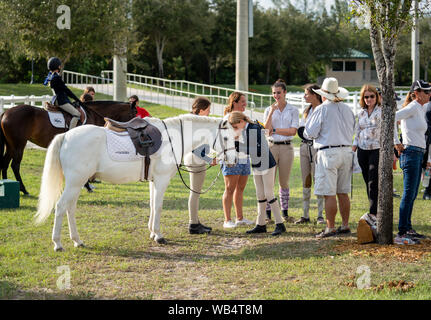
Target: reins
179, 165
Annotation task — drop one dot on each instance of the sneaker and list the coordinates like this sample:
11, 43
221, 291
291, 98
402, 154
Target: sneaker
198, 228
243, 222
229, 224
289, 219
402, 239
412, 233
326, 233
302, 220
370, 218
426, 196
343, 230
320, 220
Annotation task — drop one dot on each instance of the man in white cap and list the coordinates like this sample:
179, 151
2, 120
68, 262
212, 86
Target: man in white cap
331, 126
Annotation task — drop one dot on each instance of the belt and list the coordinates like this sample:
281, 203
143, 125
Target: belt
281, 142
330, 147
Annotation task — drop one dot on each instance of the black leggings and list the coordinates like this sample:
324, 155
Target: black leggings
369, 163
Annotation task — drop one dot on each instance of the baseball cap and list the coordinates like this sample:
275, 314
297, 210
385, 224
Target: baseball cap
420, 84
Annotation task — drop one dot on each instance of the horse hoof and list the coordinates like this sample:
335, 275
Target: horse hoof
152, 236
59, 249
161, 241
79, 245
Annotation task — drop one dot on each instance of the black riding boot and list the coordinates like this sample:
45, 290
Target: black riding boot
279, 229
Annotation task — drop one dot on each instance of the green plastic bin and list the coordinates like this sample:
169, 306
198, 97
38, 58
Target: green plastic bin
9, 194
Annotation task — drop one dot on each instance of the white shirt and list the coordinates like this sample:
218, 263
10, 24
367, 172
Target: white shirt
367, 135
331, 124
288, 118
413, 125
302, 120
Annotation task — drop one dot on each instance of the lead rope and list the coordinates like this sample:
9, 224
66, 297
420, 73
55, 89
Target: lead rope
179, 165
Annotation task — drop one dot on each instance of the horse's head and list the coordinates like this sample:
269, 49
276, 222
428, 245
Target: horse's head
133, 111
224, 143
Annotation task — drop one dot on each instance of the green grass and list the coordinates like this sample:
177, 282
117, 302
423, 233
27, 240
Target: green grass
121, 262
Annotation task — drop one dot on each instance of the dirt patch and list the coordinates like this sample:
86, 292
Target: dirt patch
405, 253
232, 244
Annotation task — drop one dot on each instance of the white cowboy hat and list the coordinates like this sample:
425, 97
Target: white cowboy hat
330, 90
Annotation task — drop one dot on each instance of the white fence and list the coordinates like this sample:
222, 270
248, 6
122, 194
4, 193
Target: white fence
11, 101
255, 100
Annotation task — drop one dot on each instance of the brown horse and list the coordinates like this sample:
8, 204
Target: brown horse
28, 123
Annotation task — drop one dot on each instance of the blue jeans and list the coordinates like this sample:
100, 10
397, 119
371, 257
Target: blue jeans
410, 163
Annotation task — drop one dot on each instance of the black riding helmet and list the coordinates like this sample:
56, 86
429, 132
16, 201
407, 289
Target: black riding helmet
54, 63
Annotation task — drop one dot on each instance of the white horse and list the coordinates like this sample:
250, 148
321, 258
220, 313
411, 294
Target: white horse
82, 152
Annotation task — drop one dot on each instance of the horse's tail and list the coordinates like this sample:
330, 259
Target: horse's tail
2, 141
52, 180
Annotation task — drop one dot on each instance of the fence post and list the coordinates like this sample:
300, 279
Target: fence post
1, 105
355, 101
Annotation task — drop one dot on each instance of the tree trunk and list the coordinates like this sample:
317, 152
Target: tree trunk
268, 71
160, 45
384, 54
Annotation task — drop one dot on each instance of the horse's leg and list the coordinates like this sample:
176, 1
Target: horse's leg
151, 219
160, 186
5, 164
16, 164
66, 202
72, 222
89, 186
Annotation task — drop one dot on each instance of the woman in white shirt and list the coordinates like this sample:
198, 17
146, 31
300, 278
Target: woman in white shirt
282, 121
413, 129
307, 157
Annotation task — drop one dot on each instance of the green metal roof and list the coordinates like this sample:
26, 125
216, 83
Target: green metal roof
351, 54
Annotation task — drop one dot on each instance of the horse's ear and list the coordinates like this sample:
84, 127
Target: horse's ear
224, 124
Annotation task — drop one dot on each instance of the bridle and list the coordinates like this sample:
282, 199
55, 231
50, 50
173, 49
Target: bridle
180, 164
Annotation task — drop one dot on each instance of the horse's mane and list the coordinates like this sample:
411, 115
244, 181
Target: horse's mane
192, 117
105, 102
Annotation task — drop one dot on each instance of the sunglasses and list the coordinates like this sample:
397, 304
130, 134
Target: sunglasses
370, 97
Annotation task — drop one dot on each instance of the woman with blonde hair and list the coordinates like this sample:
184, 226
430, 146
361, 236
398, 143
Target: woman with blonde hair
236, 177
367, 144
263, 165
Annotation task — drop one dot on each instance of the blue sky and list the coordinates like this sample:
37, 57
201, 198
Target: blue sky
268, 3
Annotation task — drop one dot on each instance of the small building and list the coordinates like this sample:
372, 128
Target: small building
352, 68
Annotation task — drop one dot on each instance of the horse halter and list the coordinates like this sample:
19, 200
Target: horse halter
179, 165
224, 149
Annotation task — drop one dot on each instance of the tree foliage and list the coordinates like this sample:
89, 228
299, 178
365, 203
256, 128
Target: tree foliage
30, 29
190, 39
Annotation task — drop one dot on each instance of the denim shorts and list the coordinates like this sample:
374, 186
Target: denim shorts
241, 169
